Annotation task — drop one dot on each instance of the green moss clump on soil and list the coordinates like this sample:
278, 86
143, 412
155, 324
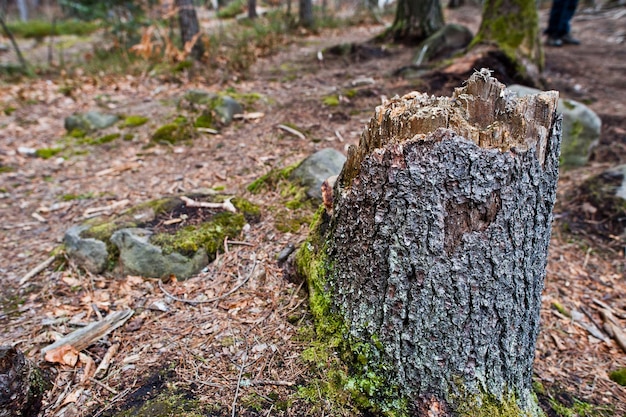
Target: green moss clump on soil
271, 179
619, 376
77, 134
559, 307
134, 121
5, 169
205, 120
209, 235
72, 197
331, 101
47, 153
104, 139
251, 212
287, 221
178, 131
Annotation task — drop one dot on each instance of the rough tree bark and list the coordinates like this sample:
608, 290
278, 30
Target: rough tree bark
429, 263
415, 20
189, 27
22, 384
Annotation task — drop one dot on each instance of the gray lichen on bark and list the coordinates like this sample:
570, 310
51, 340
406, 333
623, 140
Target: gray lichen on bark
438, 241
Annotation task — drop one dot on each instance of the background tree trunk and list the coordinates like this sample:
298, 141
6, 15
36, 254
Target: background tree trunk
513, 26
22, 6
432, 264
416, 20
252, 9
306, 13
189, 26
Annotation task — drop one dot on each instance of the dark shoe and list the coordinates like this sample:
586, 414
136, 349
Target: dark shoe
554, 41
570, 40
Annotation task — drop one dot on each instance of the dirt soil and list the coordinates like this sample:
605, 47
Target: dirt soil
244, 349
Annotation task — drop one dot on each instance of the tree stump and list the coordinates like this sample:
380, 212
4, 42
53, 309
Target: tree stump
429, 263
22, 384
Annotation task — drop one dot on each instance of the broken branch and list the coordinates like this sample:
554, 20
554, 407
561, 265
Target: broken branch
226, 205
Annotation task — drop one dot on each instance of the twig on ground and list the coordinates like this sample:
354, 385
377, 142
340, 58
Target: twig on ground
243, 365
278, 383
36, 270
226, 205
106, 361
103, 385
293, 131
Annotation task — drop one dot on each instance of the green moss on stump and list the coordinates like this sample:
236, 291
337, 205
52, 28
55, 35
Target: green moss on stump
351, 373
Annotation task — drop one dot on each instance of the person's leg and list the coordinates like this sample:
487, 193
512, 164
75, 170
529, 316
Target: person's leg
556, 18
568, 13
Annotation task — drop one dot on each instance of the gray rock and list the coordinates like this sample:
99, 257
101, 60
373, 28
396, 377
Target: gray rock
223, 106
226, 108
199, 97
90, 121
581, 128
443, 43
88, 253
315, 169
139, 256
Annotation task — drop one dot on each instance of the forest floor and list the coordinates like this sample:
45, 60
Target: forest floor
245, 350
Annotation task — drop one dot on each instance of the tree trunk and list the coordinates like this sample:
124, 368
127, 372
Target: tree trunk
252, 9
306, 13
513, 27
416, 20
22, 384
23, 9
189, 27
429, 263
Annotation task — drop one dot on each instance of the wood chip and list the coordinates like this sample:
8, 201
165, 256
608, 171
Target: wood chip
106, 361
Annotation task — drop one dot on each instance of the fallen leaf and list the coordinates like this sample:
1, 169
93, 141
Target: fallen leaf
65, 355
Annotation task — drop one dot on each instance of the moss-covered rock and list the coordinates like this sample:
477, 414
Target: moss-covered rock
208, 236
90, 121
99, 245
172, 133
